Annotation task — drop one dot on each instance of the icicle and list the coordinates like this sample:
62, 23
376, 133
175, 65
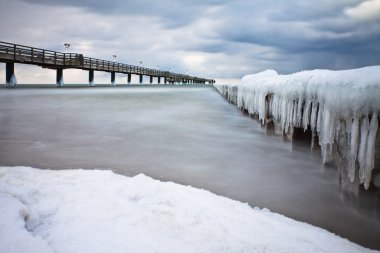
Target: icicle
306, 114
300, 106
348, 126
313, 116
353, 148
319, 119
326, 150
289, 117
327, 128
283, 113
363, 147
370, 155
295, 114
261, 108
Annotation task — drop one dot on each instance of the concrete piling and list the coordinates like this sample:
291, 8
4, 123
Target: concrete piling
91, 78
10, 78
59, 79
113, 83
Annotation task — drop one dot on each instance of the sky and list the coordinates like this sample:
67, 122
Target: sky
220, 39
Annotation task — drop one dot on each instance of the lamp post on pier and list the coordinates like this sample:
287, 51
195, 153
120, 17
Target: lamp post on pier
141, 73
159, 75
67, 46
59, 77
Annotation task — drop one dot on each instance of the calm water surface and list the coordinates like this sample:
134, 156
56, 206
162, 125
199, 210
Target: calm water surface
190, 136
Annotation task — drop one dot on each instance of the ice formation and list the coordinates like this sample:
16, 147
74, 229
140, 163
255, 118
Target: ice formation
330, 103
81, 211
92, 83
60, 82
12, 83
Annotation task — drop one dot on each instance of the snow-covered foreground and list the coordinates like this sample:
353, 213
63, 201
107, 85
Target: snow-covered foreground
99, 211
340, 107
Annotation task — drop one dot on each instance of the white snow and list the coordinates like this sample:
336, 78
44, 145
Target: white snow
99, 211
324, 100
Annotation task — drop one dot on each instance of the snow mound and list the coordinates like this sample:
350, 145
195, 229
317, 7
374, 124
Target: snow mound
98, 211
331, 103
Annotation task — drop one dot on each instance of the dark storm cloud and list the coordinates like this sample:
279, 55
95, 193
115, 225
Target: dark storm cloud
172, 13
222, 39
335, 29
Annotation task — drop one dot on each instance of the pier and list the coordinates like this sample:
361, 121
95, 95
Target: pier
13, 53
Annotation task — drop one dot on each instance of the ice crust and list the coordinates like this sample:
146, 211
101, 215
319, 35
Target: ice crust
12, 83
328, 102
96, 211
60, 83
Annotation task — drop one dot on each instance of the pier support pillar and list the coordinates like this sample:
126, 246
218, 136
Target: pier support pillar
165, 81
151, 79
10, 78
129, 78
59, 78
91, 78
141, 79
113, 83
159, 80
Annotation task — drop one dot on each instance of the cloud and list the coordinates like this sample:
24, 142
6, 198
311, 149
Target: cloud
367, 10
219, 39
171, 13
305, 29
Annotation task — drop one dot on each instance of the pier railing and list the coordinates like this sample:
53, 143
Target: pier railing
31, 55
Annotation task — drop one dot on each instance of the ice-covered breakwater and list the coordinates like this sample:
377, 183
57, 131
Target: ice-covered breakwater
341, 108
